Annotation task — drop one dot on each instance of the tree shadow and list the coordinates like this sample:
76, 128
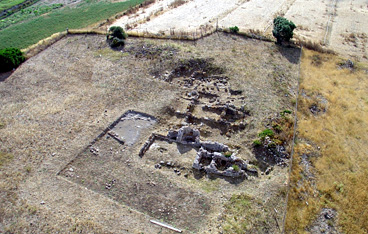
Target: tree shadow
5, 75
292, 54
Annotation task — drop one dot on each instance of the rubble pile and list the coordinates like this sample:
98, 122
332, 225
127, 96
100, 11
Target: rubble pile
212, 157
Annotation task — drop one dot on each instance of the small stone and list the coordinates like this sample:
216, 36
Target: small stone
328, 216
186, 175
162, 162
178, 173
42, 203
268, 170
71, 169
53, 154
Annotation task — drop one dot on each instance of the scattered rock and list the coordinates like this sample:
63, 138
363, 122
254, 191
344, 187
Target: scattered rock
325, 223
268, 170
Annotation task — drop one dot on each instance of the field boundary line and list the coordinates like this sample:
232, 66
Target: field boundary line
294, 138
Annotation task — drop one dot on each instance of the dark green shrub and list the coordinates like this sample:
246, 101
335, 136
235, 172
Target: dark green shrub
117, 32
116, 37
116, 42
282, 29
234, 29
10, 58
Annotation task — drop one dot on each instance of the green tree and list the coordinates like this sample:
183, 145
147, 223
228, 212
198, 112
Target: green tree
116, 36
282, 29
10, 58
118, 32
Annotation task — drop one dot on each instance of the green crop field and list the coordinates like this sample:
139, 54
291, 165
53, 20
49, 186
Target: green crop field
6, 4
25, 34
28, 13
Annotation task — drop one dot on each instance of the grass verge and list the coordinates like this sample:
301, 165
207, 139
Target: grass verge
30, 32
331, 161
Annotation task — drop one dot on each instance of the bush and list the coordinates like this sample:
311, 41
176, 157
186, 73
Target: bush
116, 42
117, 32
266, 132
10, 58
234, 29
282, 29
116, 36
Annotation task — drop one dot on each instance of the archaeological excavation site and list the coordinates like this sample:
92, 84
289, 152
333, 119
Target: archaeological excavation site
183, 116
195, 133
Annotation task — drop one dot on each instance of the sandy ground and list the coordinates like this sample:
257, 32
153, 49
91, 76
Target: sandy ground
255, 14
310, 17
326, 22
58, 101
351, 18
142, 14
189, 17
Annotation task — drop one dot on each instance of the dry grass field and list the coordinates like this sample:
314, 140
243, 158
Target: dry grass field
57, 102
329, 189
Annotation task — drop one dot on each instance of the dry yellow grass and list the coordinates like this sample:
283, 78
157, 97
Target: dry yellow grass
340, 165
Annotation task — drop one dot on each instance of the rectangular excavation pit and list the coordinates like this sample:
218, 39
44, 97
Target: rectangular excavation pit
114, 169
128, 128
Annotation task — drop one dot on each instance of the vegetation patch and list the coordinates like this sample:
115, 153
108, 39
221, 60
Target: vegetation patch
6, 4
234, 29
274, 143
30, 32
116, 37
10, 58
5, 158
28, 13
